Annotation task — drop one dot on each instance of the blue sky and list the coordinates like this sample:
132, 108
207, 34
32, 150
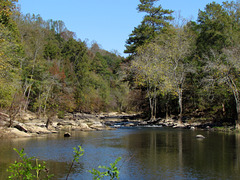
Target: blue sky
108, 22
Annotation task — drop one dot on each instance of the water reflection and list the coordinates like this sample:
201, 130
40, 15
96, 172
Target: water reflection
237, 153
179, 154
150, 153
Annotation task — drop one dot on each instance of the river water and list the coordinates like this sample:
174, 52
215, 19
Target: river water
147, 153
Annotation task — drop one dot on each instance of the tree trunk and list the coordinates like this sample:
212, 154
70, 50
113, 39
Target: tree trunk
238, 115
223, 110
27, 101
180, 106
155, 109
155, 104
151, 107
234, 88
167, 111
49, 122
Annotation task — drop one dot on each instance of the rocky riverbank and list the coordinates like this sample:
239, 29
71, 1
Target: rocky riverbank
29, 125
136, 121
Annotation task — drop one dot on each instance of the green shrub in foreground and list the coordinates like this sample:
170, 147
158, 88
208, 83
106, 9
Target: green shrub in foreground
111, 171
29, 168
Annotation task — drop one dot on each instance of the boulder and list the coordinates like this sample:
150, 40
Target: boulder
192, 128
83, 126
130, 124
199, 136
67, 134
97, 126
13, 132
38, 129
179, 125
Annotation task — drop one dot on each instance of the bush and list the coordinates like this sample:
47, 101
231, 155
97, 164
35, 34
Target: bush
29, 168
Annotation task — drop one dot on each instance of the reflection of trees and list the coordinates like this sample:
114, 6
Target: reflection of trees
237, 158
160, 151
216, 154
179, 151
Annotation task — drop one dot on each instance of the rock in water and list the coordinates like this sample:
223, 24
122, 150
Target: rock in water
67, 134
200, 136
192, 128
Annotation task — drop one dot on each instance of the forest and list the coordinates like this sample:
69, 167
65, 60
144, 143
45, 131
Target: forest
175, 67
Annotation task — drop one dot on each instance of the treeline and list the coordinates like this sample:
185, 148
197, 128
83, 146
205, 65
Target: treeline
44, 68
187, 68
175, 67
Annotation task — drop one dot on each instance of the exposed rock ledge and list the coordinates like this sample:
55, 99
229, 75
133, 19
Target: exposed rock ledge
12, 133
29, 125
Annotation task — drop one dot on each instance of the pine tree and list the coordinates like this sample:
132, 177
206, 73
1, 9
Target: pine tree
154, 22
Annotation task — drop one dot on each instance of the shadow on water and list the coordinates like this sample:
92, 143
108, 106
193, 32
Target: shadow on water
147, 153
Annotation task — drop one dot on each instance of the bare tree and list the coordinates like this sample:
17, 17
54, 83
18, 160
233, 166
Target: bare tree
224, 68
147, 69
174, 51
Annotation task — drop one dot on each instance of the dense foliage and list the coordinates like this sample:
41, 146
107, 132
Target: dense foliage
44, 68
175, 67
188, 68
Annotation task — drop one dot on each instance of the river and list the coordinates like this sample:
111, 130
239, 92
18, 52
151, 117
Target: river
147, 153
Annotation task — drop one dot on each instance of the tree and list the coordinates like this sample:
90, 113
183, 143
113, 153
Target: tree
175, 51
10, 60
231, 70
77, 67
99, 65
218, 46
52, 49
154, 22
217, 24
56, 70
157, 18
224, 70
137, 38
7, 8
150, 74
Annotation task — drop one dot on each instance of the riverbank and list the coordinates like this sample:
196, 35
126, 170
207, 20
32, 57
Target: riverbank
170, 122
29, 125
